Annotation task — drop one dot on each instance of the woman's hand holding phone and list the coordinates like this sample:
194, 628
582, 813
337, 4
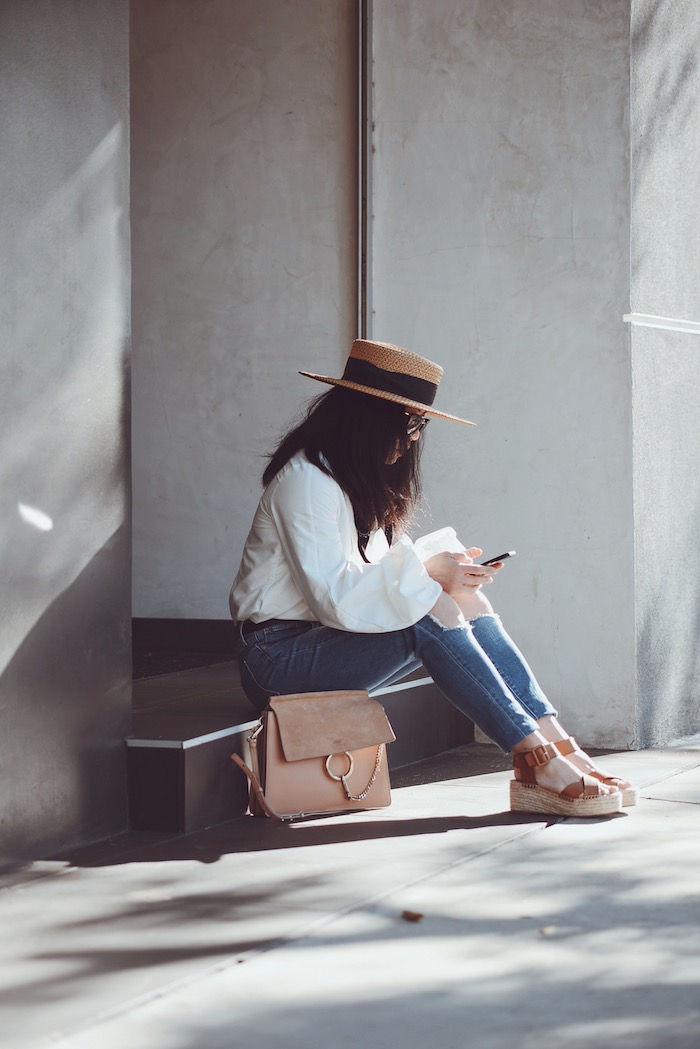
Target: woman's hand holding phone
459, 572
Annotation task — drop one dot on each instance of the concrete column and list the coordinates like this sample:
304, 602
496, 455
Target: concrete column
65, 667
665, 331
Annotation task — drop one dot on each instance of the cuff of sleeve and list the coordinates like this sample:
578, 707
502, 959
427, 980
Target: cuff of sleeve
434, 543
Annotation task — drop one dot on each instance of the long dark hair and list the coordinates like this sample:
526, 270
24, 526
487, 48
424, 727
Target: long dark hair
350, 436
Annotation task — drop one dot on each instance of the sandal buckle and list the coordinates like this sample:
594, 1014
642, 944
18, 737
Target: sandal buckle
539, 755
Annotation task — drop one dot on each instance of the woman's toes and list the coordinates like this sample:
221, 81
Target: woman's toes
581, 760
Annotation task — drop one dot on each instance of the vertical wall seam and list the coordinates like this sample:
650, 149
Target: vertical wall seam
364, 196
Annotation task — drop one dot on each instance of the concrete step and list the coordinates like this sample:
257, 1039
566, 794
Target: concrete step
187, 724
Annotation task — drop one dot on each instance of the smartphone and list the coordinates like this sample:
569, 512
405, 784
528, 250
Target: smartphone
501, 557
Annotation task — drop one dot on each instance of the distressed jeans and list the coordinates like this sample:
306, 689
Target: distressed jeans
477, 667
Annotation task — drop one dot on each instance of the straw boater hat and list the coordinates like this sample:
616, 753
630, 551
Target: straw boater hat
394, 374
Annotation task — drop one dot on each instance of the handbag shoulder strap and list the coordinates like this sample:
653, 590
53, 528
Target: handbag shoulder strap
253, 776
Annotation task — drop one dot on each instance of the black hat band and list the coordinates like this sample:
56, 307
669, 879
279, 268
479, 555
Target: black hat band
367, 374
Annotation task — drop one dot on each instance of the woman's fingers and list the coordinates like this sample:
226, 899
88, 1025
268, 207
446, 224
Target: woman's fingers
483, 571
457, 572
474, 575
446, 568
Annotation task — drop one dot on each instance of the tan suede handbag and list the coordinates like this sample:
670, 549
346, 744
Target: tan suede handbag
317, 753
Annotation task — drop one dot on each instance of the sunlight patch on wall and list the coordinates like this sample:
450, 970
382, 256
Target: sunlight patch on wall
37, 518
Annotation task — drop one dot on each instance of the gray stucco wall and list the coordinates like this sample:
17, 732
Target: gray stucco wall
244, 198
65, 665
504, 212
665, 283
500, 246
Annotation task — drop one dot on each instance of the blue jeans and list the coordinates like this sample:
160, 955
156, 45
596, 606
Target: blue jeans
477, 667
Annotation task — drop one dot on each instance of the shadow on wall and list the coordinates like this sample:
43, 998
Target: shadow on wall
64, 404
664, 266
65, 694
664, 113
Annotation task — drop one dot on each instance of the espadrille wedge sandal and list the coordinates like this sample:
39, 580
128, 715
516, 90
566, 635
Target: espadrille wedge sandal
628, 792
577, 799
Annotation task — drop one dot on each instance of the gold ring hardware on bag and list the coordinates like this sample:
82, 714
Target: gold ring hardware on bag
343, 776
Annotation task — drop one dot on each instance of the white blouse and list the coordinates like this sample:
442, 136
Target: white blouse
301, 561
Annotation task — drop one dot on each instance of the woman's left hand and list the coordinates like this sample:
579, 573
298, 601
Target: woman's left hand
473, 577
458, 572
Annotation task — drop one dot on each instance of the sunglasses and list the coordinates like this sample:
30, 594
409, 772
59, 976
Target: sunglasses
416, 423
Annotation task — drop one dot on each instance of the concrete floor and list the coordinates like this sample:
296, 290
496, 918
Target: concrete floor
443, 921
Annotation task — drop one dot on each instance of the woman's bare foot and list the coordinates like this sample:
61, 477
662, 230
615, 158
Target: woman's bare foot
567, 746
548, 783
561, 772
570, 750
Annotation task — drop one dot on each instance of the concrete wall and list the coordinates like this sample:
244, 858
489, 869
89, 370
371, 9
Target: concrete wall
64, 328
244, 190
665, 289
500, 209
500, 243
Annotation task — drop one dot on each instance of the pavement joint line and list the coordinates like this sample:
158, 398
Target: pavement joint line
670, 801
303, 932
695, 763
120, 855
39, 878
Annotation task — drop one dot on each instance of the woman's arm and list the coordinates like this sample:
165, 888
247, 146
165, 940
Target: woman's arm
317, 533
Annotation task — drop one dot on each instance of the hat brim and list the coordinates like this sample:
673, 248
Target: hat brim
425, 408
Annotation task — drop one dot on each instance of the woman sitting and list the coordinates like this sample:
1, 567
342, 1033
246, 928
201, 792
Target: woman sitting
332, 594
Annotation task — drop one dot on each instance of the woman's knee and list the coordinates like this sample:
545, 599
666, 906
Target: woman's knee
447, 613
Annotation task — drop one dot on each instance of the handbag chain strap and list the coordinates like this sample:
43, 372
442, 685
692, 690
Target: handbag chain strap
344, 778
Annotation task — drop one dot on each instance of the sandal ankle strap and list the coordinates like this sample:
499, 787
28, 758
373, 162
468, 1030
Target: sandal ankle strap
567, 746
526, 761
539, 755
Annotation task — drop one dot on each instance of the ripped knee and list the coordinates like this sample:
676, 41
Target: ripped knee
449, 616
448, 626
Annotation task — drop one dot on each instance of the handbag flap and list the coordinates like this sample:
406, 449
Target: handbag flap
316, 724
